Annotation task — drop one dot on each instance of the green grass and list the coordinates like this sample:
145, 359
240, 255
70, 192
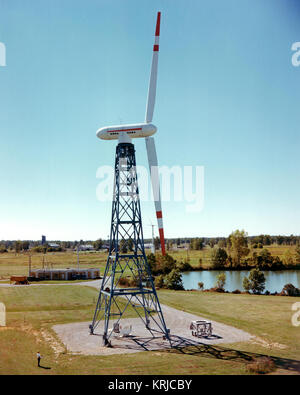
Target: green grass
268, 317
51, 304
33, 310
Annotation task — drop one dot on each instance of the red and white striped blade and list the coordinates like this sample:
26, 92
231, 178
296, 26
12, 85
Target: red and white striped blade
153, 74
153, 167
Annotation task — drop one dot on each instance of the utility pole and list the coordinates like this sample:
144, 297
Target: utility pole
29, 265
153, 246
78, 257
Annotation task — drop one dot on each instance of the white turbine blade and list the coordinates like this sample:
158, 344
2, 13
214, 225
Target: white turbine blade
153, 167
153, 74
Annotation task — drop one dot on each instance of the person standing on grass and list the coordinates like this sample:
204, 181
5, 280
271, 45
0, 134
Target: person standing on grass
38, 355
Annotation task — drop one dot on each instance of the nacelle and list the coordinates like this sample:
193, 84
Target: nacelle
133, 131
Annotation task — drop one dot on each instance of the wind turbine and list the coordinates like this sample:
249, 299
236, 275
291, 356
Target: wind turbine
153, 245
124, 133
126, 256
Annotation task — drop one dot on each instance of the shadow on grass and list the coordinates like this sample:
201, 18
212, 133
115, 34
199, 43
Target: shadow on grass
192, 347
188, 347
44, 367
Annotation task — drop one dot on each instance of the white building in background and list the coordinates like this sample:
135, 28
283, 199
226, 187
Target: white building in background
53, 245
64, 274
86, 247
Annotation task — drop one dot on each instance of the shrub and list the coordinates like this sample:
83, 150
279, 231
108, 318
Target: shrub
128, 282
261, 365
125, 281
246, 284
255, 282
290, 290
221, 280
216, 289
184, 266
134, 282
174, 280
123, 247
159, 281
2, 249
151, 261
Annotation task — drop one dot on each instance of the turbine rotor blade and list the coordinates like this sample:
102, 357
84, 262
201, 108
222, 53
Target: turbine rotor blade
153, 74
153, 167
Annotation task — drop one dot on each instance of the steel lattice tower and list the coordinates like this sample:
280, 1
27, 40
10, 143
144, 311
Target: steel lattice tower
127, 258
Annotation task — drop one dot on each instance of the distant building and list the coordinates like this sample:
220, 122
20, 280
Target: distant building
86, 247
64, 274
43, 240
53, 245
148, 246
105, 247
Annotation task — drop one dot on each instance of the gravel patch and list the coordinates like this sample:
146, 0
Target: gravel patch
77, 339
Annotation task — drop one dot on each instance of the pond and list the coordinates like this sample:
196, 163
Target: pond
275, 280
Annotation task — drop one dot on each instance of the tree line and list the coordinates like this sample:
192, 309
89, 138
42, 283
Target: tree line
237, 255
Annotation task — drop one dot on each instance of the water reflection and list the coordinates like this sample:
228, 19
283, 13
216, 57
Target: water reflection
275, 281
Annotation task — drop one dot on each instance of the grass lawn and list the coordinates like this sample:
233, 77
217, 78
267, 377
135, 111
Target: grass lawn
267, 317
31, 312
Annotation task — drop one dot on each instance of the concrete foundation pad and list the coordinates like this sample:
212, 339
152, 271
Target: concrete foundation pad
77, 338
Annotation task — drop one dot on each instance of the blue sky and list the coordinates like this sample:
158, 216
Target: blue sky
227, 99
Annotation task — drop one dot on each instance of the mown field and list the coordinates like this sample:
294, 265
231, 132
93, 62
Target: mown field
33, 310
17, 264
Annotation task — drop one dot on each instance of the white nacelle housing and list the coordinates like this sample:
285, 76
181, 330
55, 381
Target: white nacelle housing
133, 131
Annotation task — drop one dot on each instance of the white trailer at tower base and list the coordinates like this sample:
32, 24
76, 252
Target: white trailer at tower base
201, 328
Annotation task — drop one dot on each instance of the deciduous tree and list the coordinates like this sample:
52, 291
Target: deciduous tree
238, 246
